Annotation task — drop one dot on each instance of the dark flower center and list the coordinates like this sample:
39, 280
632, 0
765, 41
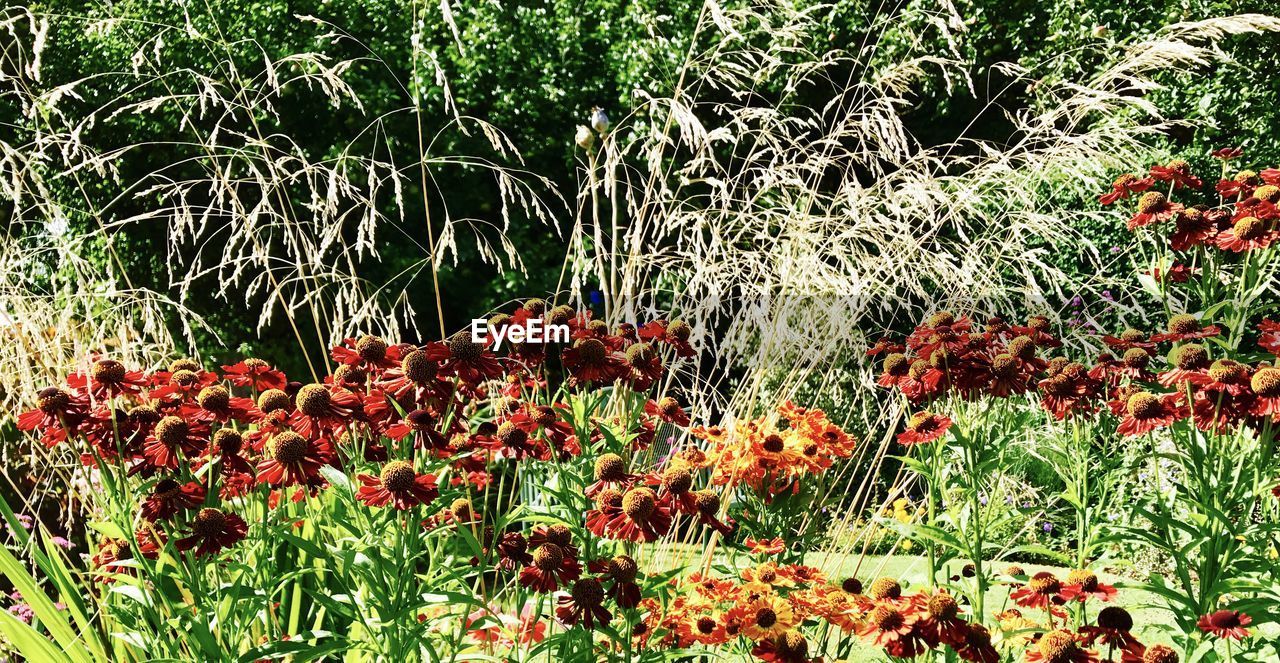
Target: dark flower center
288, 448
1249, 228
398, 476
560, 534
1159, 654
1115, 618
639, 504
208, 523
886, 618
1189, 357
1058, 647
108, 371
884, 588
677, 480
941, 319
53, 400
943, 606
272, 400
1044, 584
610, 467
1144, 405
1132, 336
623, 569
417, 367
1266, 383
349, 374
640, 354
511, 435
588, 592
171, 431
314, 400
1137, 358
766, 617
1151, 202
463, 348
591, 351
707, 502
228, 441
1184, 323
371, 348
184, 365
548, 557
214, 398
1088, 580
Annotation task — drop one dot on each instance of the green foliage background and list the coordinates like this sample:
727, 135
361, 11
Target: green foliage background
535, 68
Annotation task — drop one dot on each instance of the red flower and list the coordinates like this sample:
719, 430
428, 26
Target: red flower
1186, 327
1246, 234
462, 356
590, 360
1265, 385
765, 546
399, 485
170, 437
1083, 584
584, 605
643, 366
1177, 172
256, 374
1039, 591
939, 619
1269, 339
1112, 628
892, 629
639, 516
1153, 207
1227, 153
55, 408
552, 565
1059, 647
323, 406
290, 459
1227, 624
1145, 412
1178, 273
977, 646
667, 409
790, 647
213, 530
676, 334
169, 497
107, 378
1125, 185
621, 571
924, 427
368, 351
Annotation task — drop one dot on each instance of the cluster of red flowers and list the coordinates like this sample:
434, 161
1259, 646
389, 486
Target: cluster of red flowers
764, 455
769, 603
950, 356
1242, 218
196, 441
1112, 627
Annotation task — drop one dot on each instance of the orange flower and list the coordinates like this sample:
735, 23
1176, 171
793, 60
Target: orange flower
765, 546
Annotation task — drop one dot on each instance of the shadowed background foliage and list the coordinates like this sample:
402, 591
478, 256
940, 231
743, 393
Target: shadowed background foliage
535, 69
